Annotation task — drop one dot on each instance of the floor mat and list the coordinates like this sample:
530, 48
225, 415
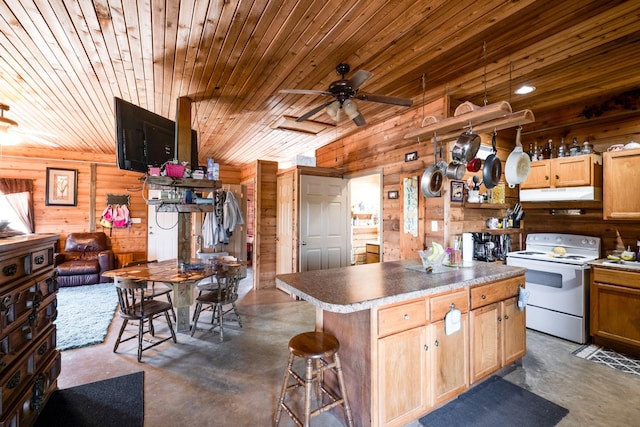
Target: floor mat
609, 358
496, 402
115, 402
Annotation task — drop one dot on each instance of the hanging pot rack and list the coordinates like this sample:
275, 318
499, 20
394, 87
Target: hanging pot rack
491, 117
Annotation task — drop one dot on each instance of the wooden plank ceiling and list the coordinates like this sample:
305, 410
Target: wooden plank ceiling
62, 63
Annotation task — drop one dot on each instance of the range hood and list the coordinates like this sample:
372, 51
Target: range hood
562, 194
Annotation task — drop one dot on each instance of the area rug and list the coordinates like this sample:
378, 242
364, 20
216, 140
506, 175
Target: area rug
84, 314
496, 402
117, 402
609, 358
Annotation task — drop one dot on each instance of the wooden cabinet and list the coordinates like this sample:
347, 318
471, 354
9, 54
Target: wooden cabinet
29, 360
575, 171
615, 309
621, 191
449, 353
373, 253
497, 327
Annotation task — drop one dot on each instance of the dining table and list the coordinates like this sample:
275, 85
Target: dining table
182, 278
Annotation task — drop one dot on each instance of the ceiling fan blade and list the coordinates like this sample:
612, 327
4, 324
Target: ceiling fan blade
306, 92
310, 113
385, 99
359, 120
359, 78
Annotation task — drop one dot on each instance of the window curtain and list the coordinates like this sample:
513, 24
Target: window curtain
18, 193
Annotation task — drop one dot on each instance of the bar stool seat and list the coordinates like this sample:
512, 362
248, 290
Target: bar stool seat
320, 352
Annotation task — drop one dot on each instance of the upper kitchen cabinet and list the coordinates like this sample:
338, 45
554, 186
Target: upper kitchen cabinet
574, 171
621, 198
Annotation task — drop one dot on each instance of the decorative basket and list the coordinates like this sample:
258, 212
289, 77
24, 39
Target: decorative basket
174, 170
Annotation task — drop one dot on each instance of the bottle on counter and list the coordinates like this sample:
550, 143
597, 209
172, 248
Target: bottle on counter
587, 148
546, 151
575, 148
562, 148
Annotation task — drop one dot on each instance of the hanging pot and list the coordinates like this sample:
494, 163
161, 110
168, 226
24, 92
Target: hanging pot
474, 165
466, 147
432, 178
455, 170
492, 170
518, 164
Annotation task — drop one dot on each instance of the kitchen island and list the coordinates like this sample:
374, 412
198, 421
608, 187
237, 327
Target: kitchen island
400, 358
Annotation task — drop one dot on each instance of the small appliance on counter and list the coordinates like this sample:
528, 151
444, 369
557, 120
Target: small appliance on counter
488, 247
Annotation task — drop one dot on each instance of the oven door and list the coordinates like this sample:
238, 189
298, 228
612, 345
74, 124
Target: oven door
556, 286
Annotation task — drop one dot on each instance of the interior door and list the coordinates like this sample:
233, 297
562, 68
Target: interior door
162, 232
284, 227
323, 223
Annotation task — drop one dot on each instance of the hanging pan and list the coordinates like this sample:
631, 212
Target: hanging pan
466, 147
492, 170
518, 164
431, 183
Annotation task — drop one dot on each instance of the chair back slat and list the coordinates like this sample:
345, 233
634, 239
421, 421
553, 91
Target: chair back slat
130, 295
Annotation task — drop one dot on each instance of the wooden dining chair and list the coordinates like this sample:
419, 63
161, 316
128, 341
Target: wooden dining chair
134, 305
155, 289
222, 300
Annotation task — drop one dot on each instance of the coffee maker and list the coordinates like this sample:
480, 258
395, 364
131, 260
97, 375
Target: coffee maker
488, 247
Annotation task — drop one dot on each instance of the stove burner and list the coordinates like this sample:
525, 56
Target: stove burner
572, 257
530, 253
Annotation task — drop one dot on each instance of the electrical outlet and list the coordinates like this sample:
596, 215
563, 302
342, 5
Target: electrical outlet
136, 220
434, 226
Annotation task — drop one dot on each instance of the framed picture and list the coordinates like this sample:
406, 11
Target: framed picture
457, 191
393, 195
62, 187
410, 157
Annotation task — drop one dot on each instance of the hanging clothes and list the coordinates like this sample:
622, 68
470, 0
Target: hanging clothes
212, 230
231, 214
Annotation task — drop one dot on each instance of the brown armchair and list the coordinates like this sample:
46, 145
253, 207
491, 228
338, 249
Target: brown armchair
86, 256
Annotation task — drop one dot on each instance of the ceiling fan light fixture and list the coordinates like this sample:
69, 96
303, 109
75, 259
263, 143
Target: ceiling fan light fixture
351, 109
524, 89
333, 109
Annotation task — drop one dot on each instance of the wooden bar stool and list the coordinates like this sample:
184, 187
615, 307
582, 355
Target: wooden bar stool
316, 348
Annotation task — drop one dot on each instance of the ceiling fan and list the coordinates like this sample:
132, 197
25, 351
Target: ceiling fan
11, 135
344, 91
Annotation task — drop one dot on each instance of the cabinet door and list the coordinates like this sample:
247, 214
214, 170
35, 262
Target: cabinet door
621, 185
514, 331
484, 324
450, 361
615, 313
403, 376
572, 171
539, 175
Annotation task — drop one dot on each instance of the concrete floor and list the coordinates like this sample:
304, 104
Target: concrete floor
202, 382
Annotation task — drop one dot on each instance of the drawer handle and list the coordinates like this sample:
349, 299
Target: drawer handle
10, 270
37, 396
39, 259
406, 317
506, 317
426, 347
43, 349
499, 318
14, 381
437, 343
483, 296
557, 176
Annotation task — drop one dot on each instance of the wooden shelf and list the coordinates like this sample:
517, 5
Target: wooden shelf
179, 207
167, 181
496, 206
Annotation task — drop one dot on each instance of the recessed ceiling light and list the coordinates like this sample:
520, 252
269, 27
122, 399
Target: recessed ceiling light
524, 89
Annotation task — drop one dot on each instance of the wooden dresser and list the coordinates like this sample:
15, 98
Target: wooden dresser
29, 360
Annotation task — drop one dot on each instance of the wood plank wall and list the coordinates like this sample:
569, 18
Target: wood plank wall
264, 241
105, 179
383, 146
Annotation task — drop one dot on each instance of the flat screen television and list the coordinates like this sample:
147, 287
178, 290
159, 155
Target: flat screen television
145, 139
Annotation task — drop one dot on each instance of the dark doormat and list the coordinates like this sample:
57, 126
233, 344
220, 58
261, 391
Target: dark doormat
117, 402
496, 402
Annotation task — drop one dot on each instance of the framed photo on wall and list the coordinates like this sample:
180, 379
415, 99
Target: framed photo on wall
62, 187
457, 191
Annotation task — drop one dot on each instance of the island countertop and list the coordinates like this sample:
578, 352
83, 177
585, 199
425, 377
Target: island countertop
361, 287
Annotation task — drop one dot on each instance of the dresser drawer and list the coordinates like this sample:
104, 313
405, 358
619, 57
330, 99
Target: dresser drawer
496, 291
16, 379
13, 269
440, 305
41, 259
401, 317
19, 303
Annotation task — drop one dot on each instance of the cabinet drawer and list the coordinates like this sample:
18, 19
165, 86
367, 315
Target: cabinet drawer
628, 279
41, 259
494, 292
402, 317
15, 380
20, 302
440, 305
13, 269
